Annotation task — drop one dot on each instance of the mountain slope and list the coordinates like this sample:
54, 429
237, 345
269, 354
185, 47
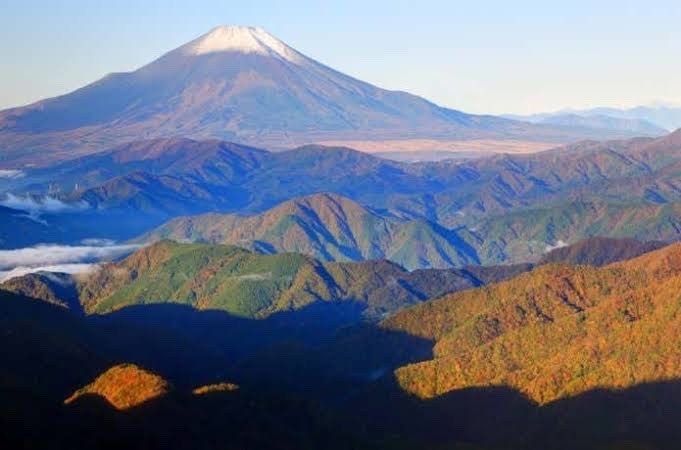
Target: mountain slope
255, 285
124, 386
330, 227
587, 189
600, 251
48, 353
554, 332
209, 162
241, 84
54, 288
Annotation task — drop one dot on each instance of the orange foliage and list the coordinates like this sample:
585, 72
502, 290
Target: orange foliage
554, 332
210, 388
124, 386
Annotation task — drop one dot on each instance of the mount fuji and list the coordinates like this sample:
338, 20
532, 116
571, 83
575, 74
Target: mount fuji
240, 84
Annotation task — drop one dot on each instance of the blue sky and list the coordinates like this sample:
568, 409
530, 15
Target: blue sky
477, 56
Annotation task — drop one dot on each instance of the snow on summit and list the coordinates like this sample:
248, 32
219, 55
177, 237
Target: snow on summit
243, 40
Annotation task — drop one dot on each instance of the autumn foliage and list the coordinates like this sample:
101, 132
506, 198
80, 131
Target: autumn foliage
554, 332
211, 388
124, 386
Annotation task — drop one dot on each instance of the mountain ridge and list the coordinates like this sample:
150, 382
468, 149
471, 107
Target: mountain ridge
483, 337
330, 227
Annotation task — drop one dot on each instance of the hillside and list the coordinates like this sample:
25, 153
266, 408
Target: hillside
504, 332
124, 386
43, 344
528, 234
254, 285
592, 188
554, 332
54, 288
329, 227
600, 251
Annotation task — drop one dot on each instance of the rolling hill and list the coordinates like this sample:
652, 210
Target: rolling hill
246, 284
506, 208
329, 227
334, 228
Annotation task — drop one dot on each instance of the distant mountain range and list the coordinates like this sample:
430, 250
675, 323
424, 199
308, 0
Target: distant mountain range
243, 84
645, 120
507, 208
638, 126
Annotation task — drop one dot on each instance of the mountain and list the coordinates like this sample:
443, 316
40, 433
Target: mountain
519, 338
639, 126
251, 285
665, 116
20, 229
529, 234
334, 228
208, 162
329, 227
248, 284
54, 288
508, 208
240, 84
446, 192
378, 286
554, 332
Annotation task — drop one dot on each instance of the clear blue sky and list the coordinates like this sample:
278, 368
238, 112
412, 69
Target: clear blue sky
477, 56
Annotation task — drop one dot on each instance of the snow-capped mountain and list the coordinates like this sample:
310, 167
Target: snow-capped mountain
240, 84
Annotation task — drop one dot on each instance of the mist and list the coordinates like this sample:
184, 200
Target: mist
60, 258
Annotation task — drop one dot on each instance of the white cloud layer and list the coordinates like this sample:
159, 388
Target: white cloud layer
42, 205
11, 173
61, 268
52, 254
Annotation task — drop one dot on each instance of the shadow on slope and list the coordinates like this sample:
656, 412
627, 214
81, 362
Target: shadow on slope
48, 353
641, 417
336, 401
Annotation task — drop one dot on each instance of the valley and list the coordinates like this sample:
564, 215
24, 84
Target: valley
236, 246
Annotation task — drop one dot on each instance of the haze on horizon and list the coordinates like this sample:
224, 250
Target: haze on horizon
491, 58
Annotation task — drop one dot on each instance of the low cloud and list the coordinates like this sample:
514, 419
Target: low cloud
559, 244
11, 173
61, 268
52, 254
98, 242
36, 206
71, 259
